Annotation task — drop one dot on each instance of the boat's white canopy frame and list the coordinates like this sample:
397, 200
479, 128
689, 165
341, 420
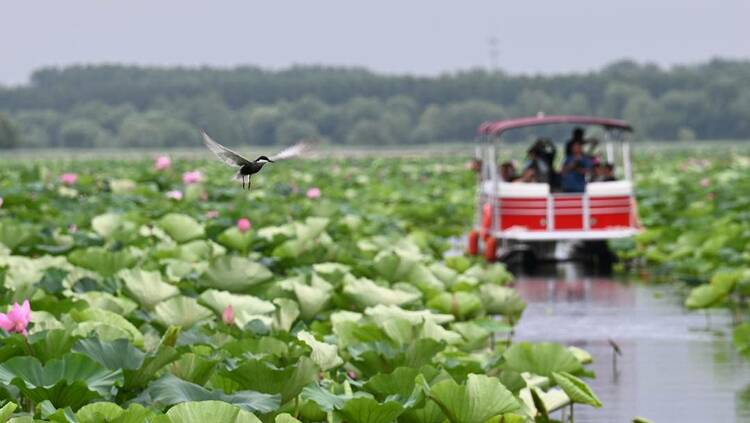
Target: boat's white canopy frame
489, 150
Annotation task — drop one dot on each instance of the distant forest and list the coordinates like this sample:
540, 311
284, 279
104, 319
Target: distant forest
124, 106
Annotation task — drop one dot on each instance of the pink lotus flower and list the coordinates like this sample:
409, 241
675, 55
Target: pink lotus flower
72, 228
313, 193
212, 214
17, 319
162, 163
174, 195
192, 177
244, 225
68, 178
705, 182
228, 315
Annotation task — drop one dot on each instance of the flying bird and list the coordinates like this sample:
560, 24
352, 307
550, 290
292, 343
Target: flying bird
248, 168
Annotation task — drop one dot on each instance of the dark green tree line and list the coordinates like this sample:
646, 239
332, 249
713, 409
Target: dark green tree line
122, 106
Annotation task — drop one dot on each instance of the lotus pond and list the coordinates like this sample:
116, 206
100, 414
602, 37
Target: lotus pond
165, 293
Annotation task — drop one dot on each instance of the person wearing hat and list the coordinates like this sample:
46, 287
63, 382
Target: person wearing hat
576, 166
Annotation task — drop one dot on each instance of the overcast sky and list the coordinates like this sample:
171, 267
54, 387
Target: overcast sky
395, 36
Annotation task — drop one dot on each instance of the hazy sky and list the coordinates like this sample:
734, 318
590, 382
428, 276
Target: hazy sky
407, 36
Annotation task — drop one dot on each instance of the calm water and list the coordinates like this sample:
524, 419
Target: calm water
673, 368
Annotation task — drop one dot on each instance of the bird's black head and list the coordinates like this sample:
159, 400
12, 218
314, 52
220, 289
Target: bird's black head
263, 159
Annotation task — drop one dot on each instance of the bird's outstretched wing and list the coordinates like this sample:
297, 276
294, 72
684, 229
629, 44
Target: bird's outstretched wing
295, 150
224, 154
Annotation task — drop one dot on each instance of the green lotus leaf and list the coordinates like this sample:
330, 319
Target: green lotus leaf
181, 311
741, 338
262, 376
323, 354
399, 385
205, 411
114, 226
541, 359
367, 293
382, 312
285, 418
705, 296
181, 228
98, 318
324, 398
154, 361
310, 229
494, 273
314, 298
49, 412
502, 300
99, 412
170, 390
235, 239
71, 381
460, 304
7, 410
146, 287
287, 312
474, 336
332, 271
15, 234
44, 321
106, 301
726, 280
193, 368
396, 265
220, 300
368, 410
480, 399
103, 261
576, 389
117, 354
235, 274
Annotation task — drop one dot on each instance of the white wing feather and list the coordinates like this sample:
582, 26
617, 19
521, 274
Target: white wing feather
292, 151
224, 154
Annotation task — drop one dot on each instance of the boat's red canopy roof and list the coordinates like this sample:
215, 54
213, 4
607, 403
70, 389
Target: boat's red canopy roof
498, 127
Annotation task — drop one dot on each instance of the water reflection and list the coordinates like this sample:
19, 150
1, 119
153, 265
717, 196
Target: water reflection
673, 367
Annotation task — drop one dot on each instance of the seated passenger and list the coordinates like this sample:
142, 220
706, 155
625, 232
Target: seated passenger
575, 168
608, 172
597, 170
537, 168
508, 172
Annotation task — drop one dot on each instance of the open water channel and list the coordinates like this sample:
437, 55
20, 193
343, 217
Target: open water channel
676, 366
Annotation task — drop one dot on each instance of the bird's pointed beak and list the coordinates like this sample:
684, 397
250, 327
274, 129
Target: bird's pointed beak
271, 161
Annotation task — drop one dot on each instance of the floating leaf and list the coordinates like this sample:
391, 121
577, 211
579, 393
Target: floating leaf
181, 228
235, 274
576, 389
181, 311
214, 411
477, 401
146, 287
169, 390
324, 355
541, 359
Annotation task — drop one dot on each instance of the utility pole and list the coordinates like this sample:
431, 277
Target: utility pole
494, 50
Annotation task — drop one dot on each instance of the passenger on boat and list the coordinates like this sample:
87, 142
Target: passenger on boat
609, 172
575, 168
508, 172
538, 167
597, 170
577, 136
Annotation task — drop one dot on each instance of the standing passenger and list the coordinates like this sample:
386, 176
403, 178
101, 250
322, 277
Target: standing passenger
575, 168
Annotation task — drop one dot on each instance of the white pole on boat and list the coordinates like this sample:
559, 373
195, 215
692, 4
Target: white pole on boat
626, 159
